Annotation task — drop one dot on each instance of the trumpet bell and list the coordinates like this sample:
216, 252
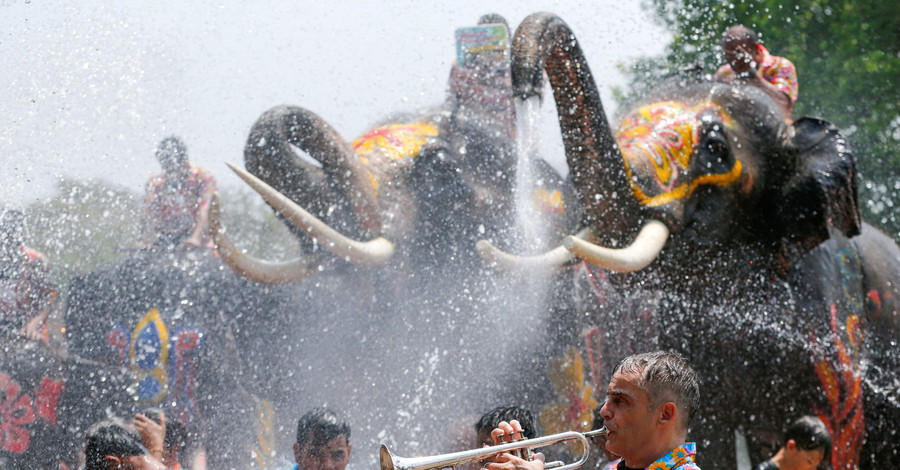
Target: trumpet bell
387, 459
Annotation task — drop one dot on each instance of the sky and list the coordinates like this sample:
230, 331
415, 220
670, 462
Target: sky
89, 88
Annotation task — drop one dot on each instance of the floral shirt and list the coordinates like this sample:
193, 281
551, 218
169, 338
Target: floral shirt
681, 458
171, 211
26, 289
775, 70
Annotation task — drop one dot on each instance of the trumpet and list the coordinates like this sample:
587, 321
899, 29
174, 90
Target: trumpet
389, 461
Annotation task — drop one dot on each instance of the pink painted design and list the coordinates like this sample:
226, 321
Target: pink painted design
46, 399
118, 339
185, 342
15, 412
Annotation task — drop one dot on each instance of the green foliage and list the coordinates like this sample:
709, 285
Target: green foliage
85, 226
847, 54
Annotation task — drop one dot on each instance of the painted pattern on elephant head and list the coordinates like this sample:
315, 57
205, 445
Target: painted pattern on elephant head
161, 359
548, 201
659, 144
398, 143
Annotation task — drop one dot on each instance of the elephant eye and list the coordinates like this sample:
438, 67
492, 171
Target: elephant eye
714, 150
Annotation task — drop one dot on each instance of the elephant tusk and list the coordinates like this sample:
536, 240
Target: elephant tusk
642, 251
371, 253
548, 261
251, 268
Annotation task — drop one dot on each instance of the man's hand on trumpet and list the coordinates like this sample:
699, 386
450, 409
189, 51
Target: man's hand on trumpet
511, 432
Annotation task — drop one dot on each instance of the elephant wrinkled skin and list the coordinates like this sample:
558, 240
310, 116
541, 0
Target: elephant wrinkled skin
416, 190
768, 282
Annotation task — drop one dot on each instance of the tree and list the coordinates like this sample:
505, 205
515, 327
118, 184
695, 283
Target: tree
847, 54
93, 224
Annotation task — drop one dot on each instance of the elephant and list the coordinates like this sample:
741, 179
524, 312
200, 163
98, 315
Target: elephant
178, 327
717, 227
420, 187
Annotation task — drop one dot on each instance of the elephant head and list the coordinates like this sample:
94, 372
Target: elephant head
695, 166
428, 184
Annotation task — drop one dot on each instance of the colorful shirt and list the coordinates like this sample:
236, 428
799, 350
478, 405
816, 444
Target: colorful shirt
773, 69
171, 211
26, 289
681, 458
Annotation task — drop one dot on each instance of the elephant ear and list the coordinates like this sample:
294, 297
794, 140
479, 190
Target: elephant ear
819, 196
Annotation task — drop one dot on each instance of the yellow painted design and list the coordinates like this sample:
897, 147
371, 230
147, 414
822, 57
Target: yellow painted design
666, 134
159, 372
265, 435
685, 190
397, 141
548, 202
574, 411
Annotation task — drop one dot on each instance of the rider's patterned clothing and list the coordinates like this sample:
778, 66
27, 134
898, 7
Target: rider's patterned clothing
773, 69
681, 458
171, 211
26, 289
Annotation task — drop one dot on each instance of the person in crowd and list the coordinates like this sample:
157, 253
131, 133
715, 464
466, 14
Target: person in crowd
176, 201
27, 291
599, 442
806, 444
111, 445
323, 441
153, 420
749, 63
651, 400
483, 86
489, 421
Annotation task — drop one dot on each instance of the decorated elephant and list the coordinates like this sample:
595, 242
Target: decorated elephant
737, 241
180, 327
420, 188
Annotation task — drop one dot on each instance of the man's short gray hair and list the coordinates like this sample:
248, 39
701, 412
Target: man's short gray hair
665, 376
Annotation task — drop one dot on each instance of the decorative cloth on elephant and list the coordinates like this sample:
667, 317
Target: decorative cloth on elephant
171, 210
775, 70
681, 458
26, 289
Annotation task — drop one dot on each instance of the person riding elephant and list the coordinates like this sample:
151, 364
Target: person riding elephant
736, 240
418, 189
176, 201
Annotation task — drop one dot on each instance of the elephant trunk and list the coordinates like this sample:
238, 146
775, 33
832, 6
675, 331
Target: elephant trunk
544, 43
331, 181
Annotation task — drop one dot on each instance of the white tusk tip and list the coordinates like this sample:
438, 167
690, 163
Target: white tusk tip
483, 245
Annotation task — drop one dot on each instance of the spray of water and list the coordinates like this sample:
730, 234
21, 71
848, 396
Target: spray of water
532, 230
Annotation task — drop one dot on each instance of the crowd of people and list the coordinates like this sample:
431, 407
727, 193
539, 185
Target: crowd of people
650, 401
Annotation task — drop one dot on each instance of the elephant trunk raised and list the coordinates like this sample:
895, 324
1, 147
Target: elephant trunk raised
545, 43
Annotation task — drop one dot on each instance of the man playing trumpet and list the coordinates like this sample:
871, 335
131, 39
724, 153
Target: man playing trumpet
651, 399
